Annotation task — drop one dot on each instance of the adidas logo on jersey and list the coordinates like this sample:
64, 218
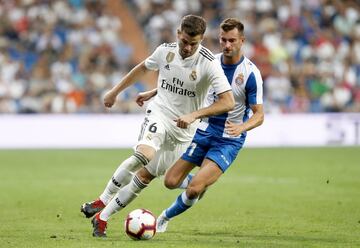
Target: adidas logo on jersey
167, 67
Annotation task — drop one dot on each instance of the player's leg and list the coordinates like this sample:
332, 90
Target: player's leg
125, 171
208, 174
123, 197
143, 177
121, 177
219, 157
128, 193
156, 167
178, 174
186, 181
152, 135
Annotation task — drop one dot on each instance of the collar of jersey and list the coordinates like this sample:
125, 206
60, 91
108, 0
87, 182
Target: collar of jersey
188, 58
233, 65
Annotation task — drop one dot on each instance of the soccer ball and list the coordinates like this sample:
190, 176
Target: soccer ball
140, 224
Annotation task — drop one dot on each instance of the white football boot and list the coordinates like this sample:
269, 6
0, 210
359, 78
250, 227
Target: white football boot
162, 223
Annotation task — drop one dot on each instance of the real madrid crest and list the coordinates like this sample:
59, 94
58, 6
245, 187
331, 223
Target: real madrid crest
239, 79
193, 76
170, 57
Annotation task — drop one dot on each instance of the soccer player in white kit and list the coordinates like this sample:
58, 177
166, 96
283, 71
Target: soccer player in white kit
219, 138
187, 71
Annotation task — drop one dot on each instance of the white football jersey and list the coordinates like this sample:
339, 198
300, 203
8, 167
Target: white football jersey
247, 87
183, 84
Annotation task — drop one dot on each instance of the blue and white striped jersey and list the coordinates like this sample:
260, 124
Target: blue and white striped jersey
247, 86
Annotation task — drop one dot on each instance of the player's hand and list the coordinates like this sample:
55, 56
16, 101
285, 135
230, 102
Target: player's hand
143, 97
185, 121
233, 129
109, 99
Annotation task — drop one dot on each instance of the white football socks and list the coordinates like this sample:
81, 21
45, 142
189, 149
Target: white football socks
125, 195
122, 176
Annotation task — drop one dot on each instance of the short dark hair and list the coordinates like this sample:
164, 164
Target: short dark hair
193, 25
231, 23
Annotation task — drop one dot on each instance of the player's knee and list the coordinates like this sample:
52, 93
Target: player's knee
171, 183
146, 151
144, 176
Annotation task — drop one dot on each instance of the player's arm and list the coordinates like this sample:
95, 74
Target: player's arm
145, 96
254, 121
225, 103
136, 73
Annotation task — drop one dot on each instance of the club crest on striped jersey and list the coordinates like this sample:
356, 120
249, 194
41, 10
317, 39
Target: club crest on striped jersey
170, 57
193, 76
239, 79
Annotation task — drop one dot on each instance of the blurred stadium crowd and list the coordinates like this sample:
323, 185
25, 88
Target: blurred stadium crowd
61, 56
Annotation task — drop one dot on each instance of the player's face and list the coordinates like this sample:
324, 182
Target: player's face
231, 42
188, 44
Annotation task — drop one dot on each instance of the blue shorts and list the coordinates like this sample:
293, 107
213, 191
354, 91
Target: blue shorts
222, 151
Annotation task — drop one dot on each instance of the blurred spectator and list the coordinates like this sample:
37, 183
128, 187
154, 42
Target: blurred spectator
58, 56
278, 89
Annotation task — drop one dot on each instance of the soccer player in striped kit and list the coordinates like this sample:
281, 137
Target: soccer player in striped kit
219, 138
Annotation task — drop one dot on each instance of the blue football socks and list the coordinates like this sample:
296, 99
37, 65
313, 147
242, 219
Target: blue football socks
181, 204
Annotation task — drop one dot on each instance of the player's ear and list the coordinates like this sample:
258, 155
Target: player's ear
242, 38
201, 38
178, 32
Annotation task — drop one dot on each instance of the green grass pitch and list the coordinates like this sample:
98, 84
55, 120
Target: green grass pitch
295, 197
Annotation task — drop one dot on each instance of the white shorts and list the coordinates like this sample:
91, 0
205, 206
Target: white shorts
168, 149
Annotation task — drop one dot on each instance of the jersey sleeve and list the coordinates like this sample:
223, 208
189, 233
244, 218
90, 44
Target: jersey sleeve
152, 62
254, 88
217, 78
